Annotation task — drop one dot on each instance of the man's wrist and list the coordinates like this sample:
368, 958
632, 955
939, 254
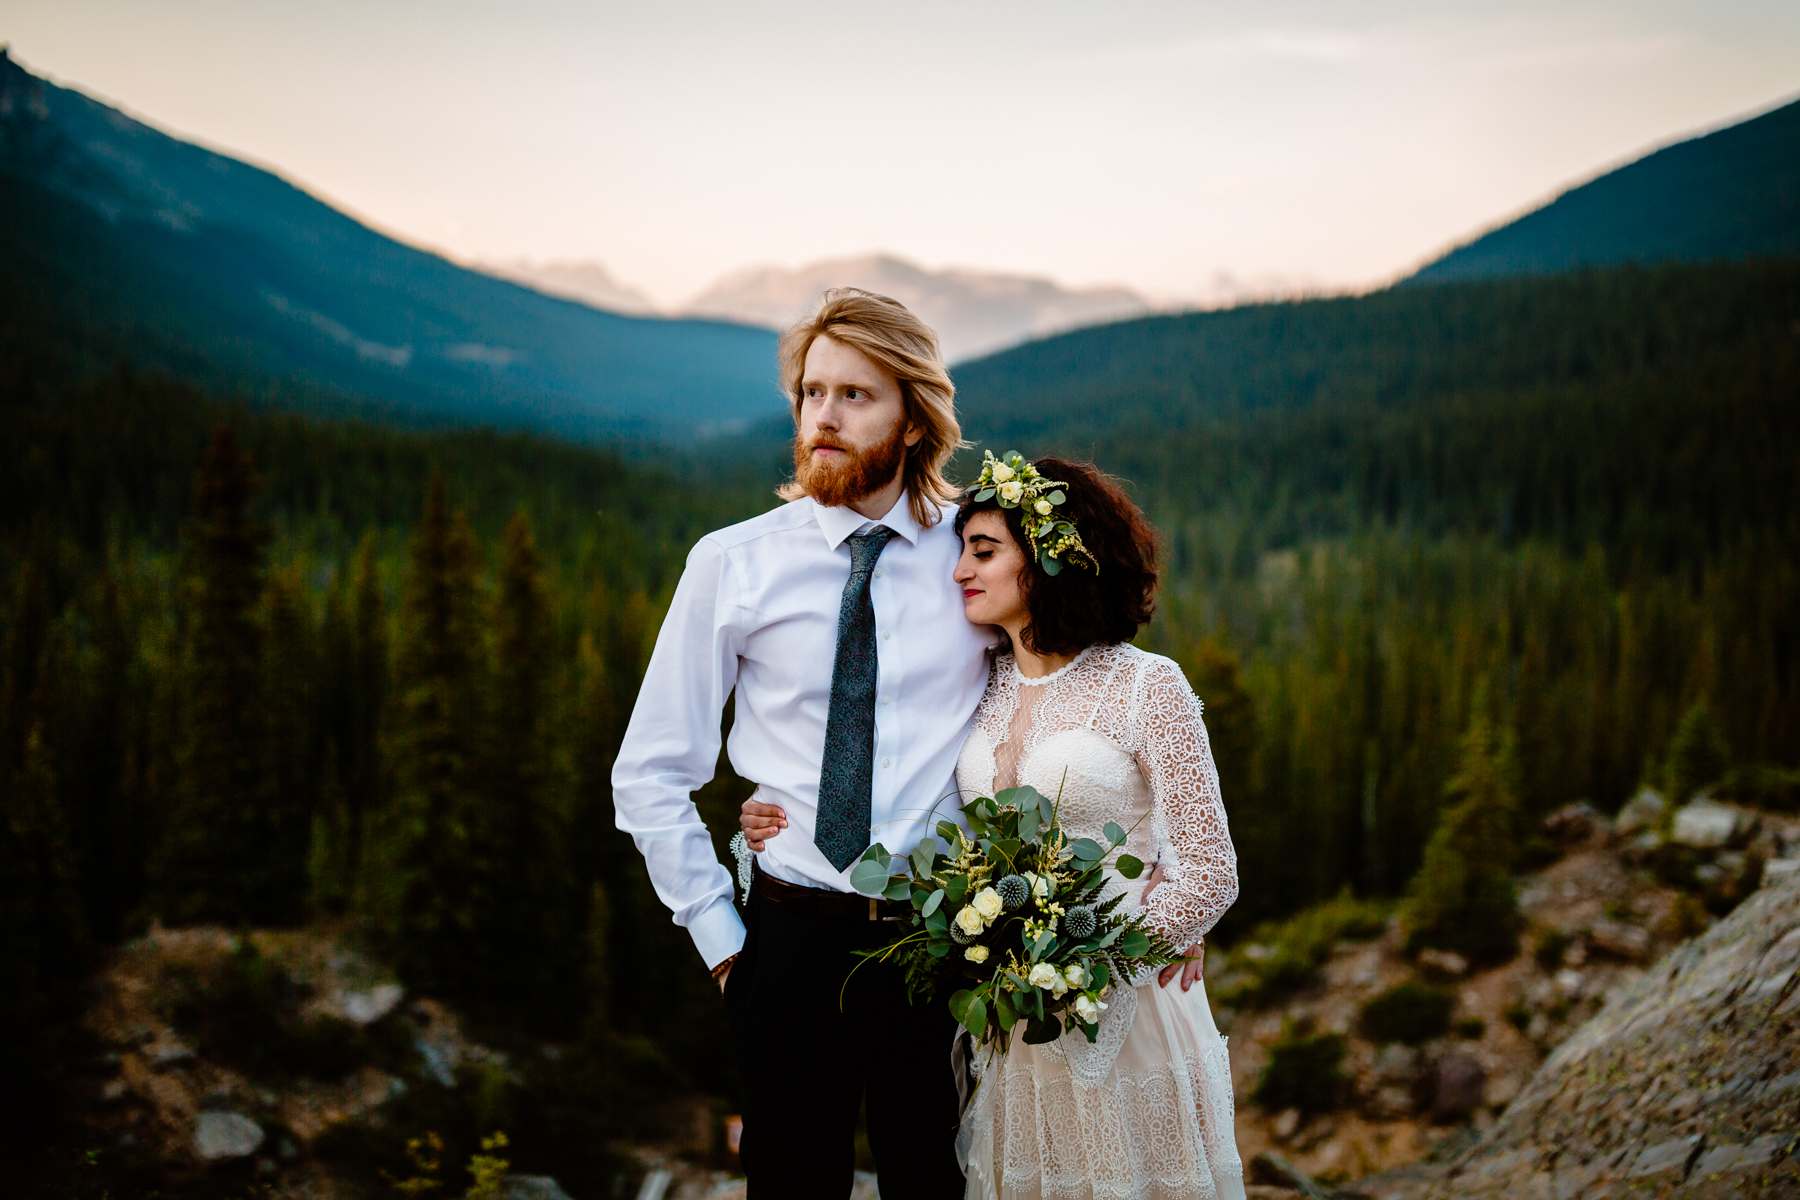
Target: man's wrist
718, 972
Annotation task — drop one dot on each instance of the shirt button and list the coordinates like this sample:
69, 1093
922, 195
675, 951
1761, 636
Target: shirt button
887, 762
878, 572
888, 636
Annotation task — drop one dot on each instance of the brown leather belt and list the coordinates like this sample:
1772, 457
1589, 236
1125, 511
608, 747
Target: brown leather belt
824, 902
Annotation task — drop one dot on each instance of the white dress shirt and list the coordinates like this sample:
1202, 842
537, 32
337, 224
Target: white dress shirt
756, 611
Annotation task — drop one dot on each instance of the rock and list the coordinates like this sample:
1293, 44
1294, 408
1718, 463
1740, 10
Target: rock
113, 1091
1575, 823
1444, 962
1285, 1123
1780, 870
1642, 847
1628, 942
1502, 1088
1643, 811
219, 1136
1692, 1054
364, 1008
1271, 1168
439, 1060
1399, 1063
1707, 825
533, 1187
168, 1053
1570, 982
1458, 1080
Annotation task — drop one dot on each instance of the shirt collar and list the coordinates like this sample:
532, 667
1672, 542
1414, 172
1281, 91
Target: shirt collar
840, 522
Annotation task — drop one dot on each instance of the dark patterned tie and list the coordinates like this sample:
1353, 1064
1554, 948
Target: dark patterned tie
848, 771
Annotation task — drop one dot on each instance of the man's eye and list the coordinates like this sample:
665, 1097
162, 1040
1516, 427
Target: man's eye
852, 393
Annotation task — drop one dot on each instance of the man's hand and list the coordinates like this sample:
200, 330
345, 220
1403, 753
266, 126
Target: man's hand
1195, 968
760, 822
723, 976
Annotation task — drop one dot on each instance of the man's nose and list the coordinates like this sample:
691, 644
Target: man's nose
827, 414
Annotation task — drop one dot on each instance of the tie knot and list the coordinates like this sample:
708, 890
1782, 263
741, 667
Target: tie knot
865, 548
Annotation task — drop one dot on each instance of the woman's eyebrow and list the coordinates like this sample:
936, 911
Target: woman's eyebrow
983, 537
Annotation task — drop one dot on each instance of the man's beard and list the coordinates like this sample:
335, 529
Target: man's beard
835, 481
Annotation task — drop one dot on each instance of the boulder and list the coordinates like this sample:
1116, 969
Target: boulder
1706, 824
1628, 942
533, 1187
1575, 823
221, 1136
1444, 962
1642, 812
364, 1008
1457, 1083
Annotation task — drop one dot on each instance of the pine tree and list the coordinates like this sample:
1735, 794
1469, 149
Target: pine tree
1698, 755
1462, 899
435, 738
289, 689
213, 849
528, 923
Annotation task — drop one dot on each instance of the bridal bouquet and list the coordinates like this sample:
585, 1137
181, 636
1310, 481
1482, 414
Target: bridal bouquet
1010, 918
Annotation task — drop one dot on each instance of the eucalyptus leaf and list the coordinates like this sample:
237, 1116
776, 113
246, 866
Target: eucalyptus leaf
938, 922
1040, 1030
1087, 850
1057, 497
955, 888
932, 903
1028, 824
1114, 833
1042, 946
975, 1018
984, 494
900, 889
1052, 566
1130, 866
1134, 943
1004, 1015
923, 856
938, 949
870, 878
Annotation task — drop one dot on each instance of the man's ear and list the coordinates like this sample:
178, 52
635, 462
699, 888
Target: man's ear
913, 435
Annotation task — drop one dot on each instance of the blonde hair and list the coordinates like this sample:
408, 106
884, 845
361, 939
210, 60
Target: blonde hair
892, 337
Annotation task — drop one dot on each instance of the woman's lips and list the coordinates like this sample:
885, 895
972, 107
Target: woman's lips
969, 592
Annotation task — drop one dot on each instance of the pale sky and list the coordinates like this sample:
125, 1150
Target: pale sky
1149, 144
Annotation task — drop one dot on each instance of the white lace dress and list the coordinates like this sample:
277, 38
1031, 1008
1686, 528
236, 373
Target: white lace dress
1145, 1111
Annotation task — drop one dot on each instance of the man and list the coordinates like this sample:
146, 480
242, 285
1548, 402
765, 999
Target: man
835, 621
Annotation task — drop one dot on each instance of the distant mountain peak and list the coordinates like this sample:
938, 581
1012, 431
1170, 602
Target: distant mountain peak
974, 311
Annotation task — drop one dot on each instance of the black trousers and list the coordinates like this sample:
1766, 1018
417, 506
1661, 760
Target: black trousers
807, 1067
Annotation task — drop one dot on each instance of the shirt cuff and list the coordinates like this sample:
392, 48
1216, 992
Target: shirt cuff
718, 932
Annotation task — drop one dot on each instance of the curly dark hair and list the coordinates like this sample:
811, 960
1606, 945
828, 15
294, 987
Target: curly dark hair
1076, 609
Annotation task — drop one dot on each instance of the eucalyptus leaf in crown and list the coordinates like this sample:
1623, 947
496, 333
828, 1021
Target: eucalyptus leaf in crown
1013, 920
1015, 483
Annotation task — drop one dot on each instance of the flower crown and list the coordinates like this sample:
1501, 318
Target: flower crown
1015, 483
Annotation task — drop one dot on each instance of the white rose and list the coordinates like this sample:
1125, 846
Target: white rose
1088, 1009
1043, 976
987, 902
976, 954
1043, 508
1076, 974
969, 920
1002, 472
1040, 885
1010, 492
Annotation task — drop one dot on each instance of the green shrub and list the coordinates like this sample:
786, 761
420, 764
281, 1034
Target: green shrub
1305, 1071
1295, 948
1410, 1012
1470, 1027
1763, 785
1551, 944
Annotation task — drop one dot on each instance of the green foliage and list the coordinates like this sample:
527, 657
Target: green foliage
1305, 1071
1410, 1012
1550, 946
1278, 958
1763, 785
1698, 754
1463, 898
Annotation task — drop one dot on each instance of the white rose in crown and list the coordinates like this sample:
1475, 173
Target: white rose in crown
1001, 472
1043, 508
1088, 1009
987, 902
969, 920
1010, 492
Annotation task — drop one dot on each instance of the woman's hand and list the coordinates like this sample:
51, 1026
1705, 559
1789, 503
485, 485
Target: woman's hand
760, 822
1192, 970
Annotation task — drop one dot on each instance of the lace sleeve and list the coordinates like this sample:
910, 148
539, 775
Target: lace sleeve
1188, 814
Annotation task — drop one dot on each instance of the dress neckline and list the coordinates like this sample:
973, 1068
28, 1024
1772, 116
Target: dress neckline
1038, 681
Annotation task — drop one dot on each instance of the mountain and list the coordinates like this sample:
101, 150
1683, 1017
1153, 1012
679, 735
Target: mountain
124, 242
589, 282
1731, 194
974, 312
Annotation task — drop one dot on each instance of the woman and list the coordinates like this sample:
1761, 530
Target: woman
1059, 558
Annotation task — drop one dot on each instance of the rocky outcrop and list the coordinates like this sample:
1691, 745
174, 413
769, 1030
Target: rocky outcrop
1686, 1082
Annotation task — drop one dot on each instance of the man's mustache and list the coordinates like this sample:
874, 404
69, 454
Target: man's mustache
825, 442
